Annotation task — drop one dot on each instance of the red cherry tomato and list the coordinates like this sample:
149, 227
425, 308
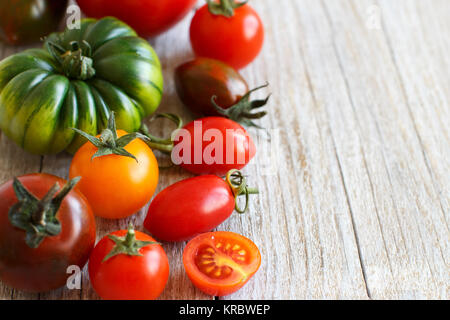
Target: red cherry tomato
236, 40
213, 145
193, 206
220, 263
29, 262
128, 265
148, 17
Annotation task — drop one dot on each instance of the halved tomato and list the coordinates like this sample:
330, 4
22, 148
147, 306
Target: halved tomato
220, 263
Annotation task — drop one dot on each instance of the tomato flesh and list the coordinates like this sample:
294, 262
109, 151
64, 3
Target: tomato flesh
220, 263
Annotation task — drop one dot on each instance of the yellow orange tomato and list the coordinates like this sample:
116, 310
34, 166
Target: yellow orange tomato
116, 186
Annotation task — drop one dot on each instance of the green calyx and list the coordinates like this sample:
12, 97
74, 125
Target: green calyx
224, 7
109, 143
164, 145
241, 112
75, 63
127, 245
238, 185
38, 217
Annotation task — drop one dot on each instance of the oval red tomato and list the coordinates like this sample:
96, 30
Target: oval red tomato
195, 205
128, 265
235, 39
220, 263
44, 267
148, 17
189, 207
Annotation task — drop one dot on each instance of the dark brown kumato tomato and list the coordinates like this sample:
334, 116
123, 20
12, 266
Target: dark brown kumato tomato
45, 227
197, 81
23, 21
210, 87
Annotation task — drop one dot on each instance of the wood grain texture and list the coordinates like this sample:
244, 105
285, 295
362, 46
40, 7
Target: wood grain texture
354, 182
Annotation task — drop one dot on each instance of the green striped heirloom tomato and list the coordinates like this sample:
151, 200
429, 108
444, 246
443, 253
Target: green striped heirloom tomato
75, 81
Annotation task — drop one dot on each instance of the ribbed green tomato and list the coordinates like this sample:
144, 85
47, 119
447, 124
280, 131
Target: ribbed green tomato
75, 81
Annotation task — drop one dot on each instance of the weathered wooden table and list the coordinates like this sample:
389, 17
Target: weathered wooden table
356, 202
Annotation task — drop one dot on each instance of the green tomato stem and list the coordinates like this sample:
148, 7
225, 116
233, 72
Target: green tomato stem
74, 63
238, 185
224, 7
164, 145
109, 143
127, 245
37, 217
242, 111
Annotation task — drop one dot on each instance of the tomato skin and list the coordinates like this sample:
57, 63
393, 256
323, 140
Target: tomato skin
21, 23
197, 81
123, 82
44, 268
239, 155
236, 41
125, 277
116, 186
189, 207
234, 273
148, 17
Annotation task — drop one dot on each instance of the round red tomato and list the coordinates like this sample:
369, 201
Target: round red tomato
213, 145
220, 263
37, 247
195, 205
232, 35
128, 265
147, 17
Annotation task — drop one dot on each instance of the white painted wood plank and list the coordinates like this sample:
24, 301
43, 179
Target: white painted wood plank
303, 224
412, 232
357, 204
